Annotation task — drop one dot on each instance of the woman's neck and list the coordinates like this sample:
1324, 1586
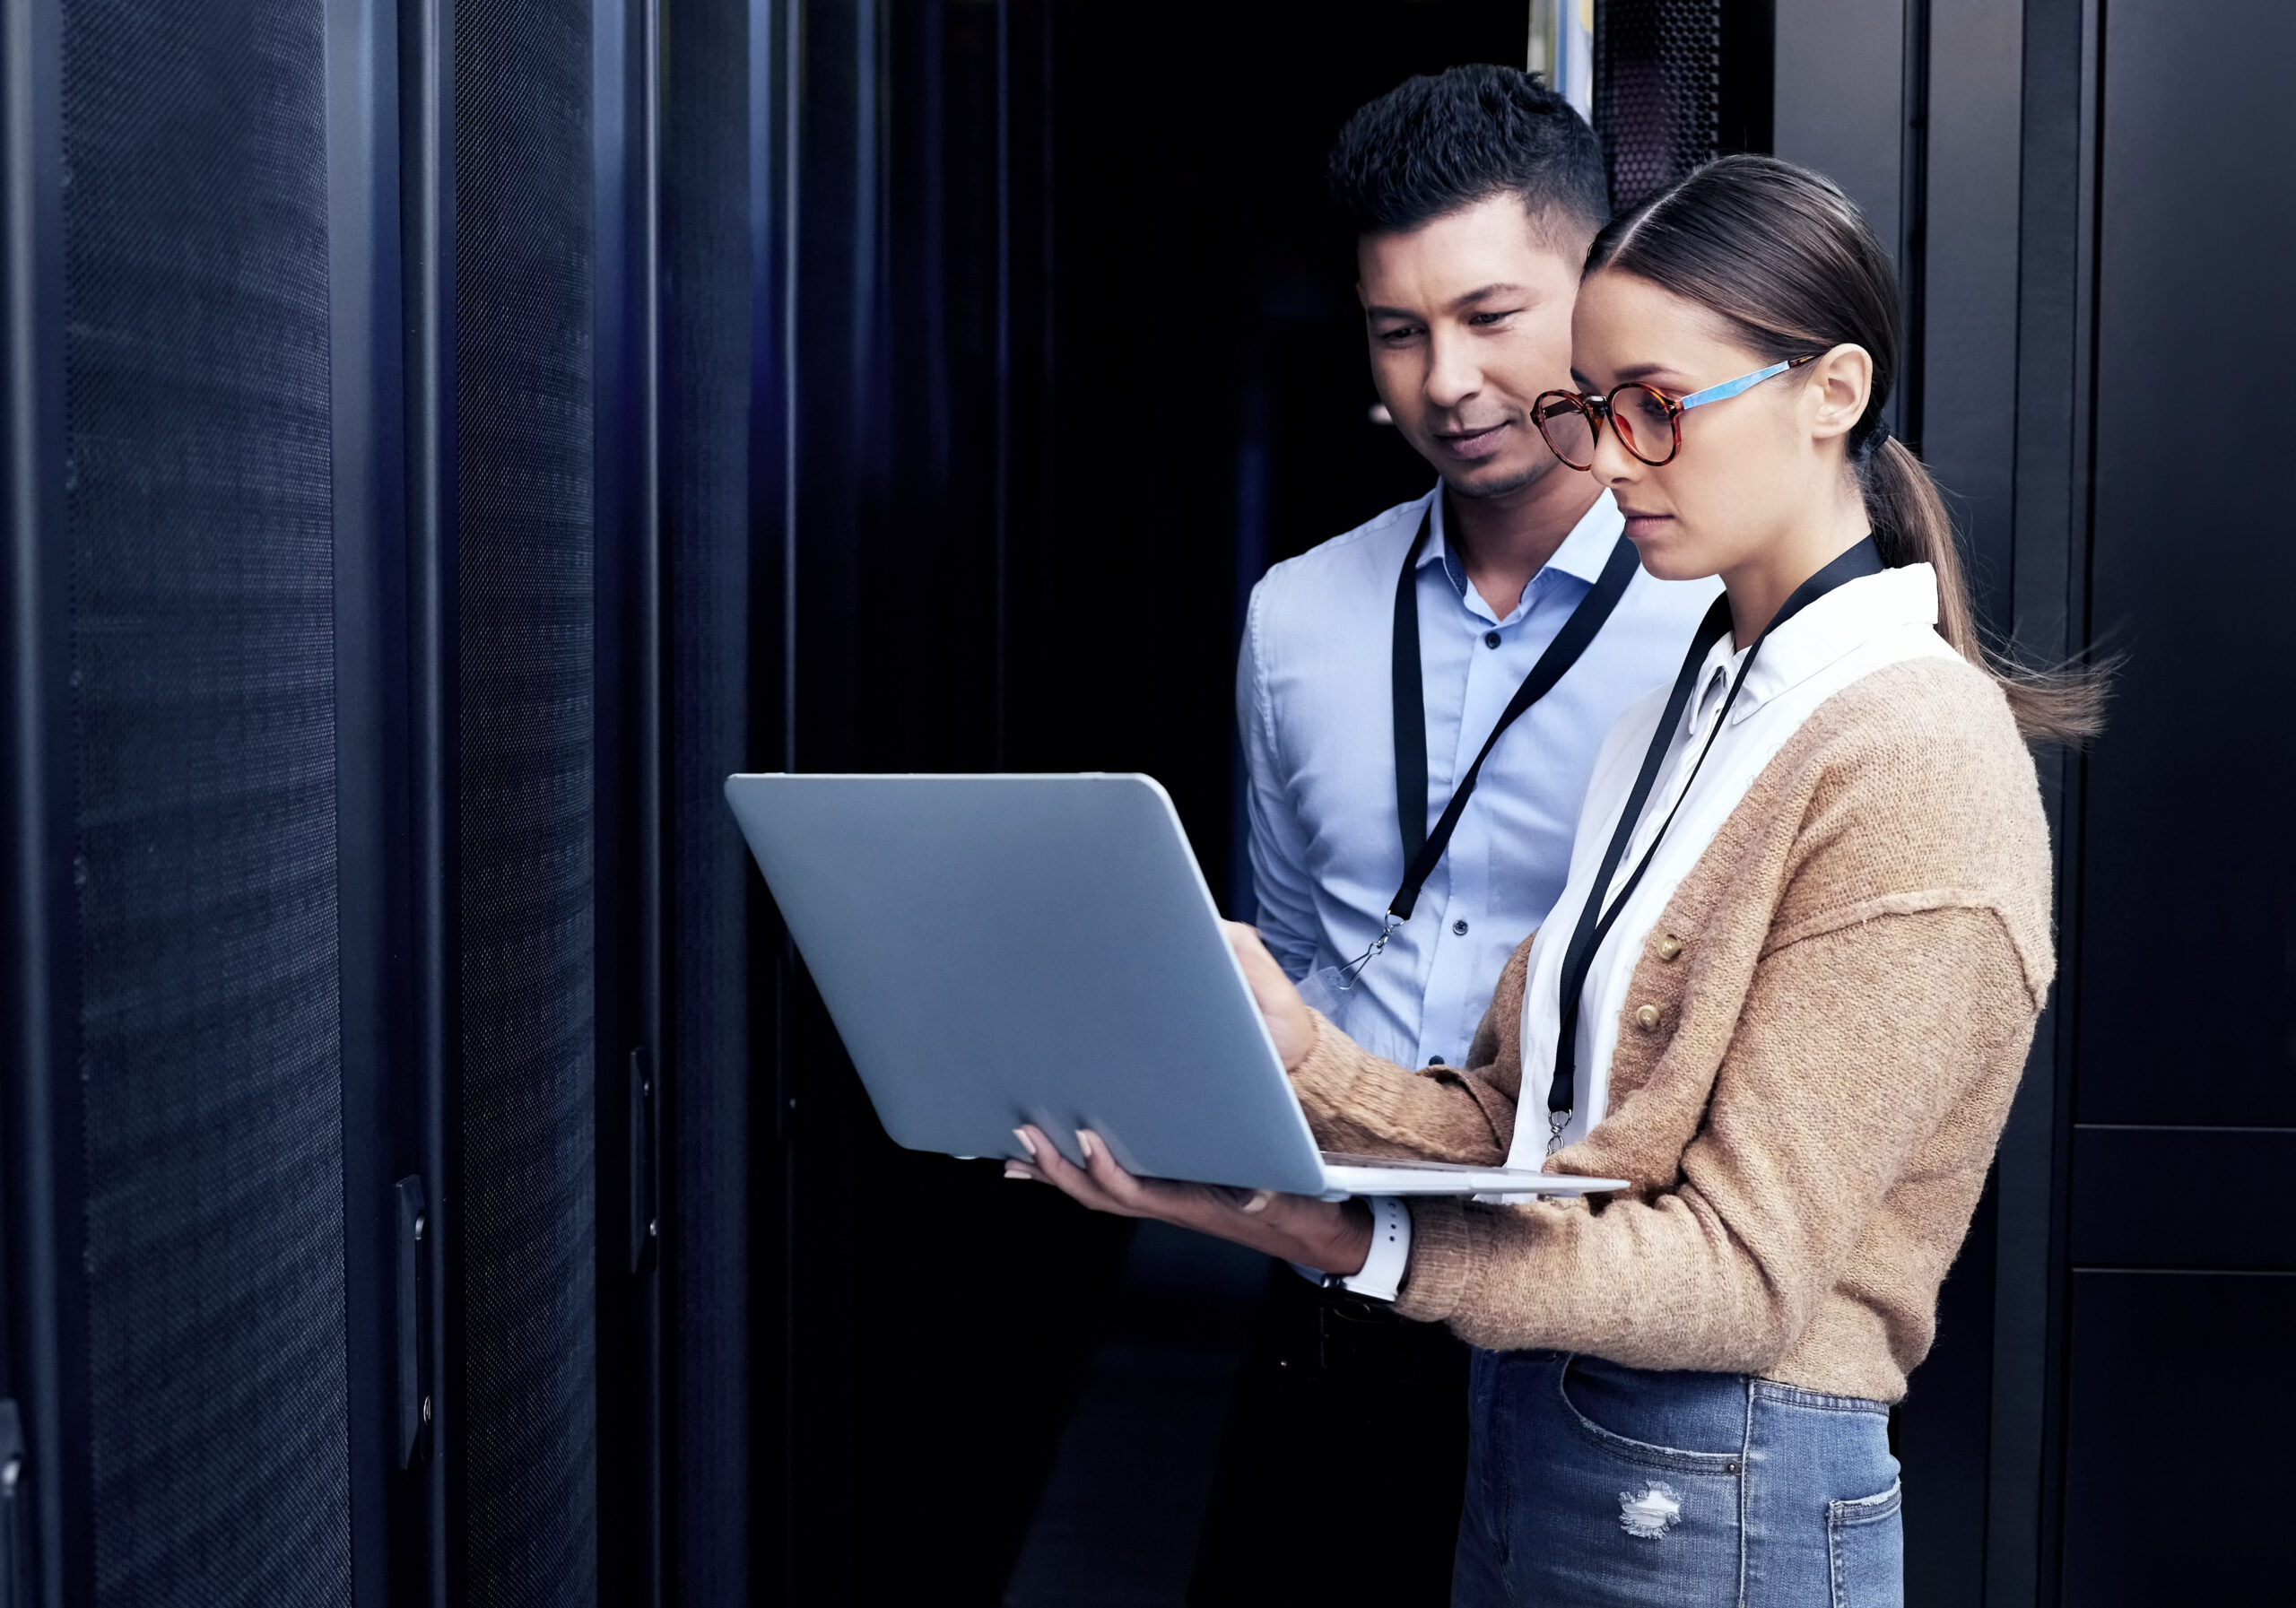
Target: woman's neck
1758, 587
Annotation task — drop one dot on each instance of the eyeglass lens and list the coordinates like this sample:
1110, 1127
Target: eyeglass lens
1569, 429
1644, 422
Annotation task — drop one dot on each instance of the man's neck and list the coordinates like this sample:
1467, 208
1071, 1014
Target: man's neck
1503, 541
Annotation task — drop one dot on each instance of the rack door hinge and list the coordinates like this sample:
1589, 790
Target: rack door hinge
644, 1194
15, 1493
418, 1248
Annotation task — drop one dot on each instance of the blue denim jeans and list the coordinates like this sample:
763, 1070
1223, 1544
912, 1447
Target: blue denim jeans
1595, 1485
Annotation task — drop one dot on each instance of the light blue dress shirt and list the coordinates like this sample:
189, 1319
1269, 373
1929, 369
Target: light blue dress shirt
1314, 701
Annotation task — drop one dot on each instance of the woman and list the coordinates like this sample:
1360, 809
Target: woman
1797, 1015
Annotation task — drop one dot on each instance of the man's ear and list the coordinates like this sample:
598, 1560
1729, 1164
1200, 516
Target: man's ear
1839, 384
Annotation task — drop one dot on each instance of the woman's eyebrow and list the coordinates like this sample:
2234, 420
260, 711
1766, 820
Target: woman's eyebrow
1632, 372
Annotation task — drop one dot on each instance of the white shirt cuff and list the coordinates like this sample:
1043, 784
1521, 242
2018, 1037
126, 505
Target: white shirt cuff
1381, 1274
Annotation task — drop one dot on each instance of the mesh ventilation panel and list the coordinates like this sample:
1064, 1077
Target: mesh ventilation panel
525, 481
705, 507
199, 508
1657, 91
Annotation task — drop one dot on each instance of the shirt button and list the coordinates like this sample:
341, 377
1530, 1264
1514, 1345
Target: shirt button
1460, 928
1669, 947
1434, 1060
1647, 1018
1490, 638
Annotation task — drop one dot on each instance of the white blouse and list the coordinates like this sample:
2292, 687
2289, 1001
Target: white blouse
1859, 627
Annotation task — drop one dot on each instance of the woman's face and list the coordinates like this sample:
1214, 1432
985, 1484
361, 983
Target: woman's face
1754, 470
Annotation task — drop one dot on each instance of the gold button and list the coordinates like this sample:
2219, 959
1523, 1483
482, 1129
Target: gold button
1669, 947
1647, 1018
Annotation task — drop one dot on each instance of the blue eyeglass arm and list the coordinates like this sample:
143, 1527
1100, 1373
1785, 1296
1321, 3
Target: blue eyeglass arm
1733, 387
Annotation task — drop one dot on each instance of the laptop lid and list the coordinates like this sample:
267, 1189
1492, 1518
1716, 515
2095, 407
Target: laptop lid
1002, 948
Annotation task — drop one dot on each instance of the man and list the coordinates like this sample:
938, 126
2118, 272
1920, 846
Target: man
1474, 195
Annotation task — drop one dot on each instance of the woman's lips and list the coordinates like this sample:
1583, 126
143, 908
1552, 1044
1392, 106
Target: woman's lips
1640, 526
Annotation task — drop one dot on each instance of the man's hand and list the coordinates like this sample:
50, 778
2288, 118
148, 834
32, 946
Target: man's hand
1331, 1235
1288, 1022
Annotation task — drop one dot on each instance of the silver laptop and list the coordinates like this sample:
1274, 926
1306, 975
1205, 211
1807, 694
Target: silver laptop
997, 950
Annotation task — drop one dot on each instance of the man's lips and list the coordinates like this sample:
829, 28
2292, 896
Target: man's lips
1480, 442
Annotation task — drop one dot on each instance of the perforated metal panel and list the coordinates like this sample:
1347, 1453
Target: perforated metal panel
705, 515
1657, 91
527, 570
197, 492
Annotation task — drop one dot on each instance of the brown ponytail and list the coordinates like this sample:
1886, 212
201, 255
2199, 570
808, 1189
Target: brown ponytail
1783, 258
1911, 526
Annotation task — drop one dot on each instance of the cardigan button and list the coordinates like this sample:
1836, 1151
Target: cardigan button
1669, 946
1647, 1018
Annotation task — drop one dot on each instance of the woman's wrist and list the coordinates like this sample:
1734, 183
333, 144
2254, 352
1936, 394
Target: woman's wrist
1302, 1040
1351, 1239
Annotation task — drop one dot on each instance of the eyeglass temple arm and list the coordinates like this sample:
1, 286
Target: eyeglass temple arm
1733, 387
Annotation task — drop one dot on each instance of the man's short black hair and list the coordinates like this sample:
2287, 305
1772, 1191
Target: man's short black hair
1433, 146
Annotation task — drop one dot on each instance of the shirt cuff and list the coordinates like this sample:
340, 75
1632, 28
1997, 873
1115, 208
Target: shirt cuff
1381, 1274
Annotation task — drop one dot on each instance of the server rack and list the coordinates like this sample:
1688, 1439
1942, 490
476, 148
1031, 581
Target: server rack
335, 734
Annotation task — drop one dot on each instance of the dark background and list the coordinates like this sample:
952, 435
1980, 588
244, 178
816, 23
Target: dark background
444, 438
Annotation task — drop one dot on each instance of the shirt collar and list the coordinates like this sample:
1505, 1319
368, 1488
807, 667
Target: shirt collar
1588, 548
1582, 555
1844, 620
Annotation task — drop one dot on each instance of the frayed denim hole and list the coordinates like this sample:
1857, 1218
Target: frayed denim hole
1649, 1513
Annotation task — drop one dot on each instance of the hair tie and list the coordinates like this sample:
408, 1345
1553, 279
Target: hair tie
1873, 444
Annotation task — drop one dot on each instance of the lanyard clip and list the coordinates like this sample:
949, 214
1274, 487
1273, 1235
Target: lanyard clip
1352, 971
1556, 1121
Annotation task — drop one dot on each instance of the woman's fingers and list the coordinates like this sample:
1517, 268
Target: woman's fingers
1288, 1022
1288, 1226
1057, 1170
1111, 1179
1103, 1185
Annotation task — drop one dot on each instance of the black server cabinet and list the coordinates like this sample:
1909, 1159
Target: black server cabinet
2180, 1298
341, 1085
2088, 196
177, 1319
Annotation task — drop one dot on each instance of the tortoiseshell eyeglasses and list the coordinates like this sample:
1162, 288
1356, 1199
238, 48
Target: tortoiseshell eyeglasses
1648, 421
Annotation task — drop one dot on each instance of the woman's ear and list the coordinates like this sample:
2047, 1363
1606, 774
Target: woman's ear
1839, 384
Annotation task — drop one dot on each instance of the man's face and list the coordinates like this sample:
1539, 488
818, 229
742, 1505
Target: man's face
1469, 319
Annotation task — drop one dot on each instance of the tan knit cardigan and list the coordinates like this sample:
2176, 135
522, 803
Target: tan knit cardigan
1846, 986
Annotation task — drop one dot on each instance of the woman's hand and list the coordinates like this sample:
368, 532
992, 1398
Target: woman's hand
1288, 1022
1331, 1235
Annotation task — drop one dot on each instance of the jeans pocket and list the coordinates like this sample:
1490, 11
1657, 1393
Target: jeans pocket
1649, 1454
1866, 1550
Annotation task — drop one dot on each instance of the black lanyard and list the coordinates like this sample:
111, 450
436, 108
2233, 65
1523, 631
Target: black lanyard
1422, 850
1594, 923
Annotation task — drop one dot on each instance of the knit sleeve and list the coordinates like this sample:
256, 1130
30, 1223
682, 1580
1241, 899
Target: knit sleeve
1855, 1048
1359, 1104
